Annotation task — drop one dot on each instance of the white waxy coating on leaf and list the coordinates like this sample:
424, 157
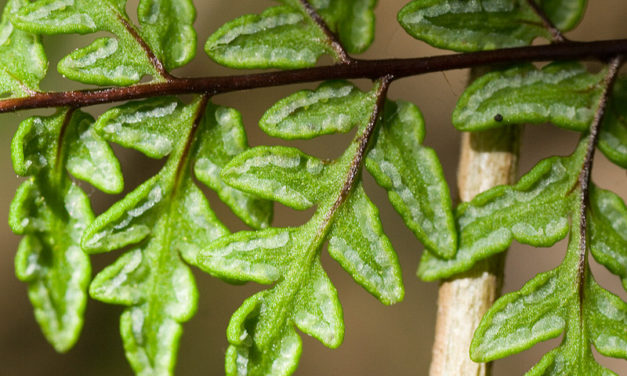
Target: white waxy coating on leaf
357, 242
456, 25
521, 319
278, 173
285, 357
535, 211
562, 93
170, 38
259, 257
50, 11
319, 312
99, 50
333, 107
280, 37
261, 24
115, 289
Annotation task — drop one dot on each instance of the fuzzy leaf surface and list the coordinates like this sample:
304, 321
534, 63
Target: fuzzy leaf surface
550, 304
23, 62
165, 39
286, 36
333, 107
413, 177
262, 332
165, 220
52, 213
521, 319
167, 26
535, 211
608, 231
90, 158
358, 243
351, 20
613, 136
280, 37
564, 94
278, 173
222, 138
474, 25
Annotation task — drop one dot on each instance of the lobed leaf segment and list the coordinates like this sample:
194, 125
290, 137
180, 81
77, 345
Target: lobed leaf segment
166, 223
471, 25
52, 213
164, 40
566, 299
295, 34
556, 197
166, 220
536, 210
261, 333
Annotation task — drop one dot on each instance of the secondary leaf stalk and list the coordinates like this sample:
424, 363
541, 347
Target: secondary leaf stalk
556, 34
341, 53
586, 170
373, 69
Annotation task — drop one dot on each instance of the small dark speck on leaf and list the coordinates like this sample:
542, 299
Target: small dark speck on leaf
498, 117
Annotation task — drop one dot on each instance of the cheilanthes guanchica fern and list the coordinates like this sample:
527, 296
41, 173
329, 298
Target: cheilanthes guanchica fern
166, 224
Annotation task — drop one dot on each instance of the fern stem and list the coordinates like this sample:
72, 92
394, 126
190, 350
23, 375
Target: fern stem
487, 159
335, 44
373, 69
586, 169
364, 142
556, 34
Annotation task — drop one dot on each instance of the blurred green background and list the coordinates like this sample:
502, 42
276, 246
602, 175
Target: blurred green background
379, 340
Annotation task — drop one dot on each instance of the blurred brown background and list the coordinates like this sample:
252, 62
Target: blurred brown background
379, 340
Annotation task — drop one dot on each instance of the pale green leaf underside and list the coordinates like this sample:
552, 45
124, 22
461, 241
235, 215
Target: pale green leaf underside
50, 259
35, 150
551, 304
562, 362
35, 144
521, 319
85, 154
333, 107
352, 20
52, 212
23, 62
167, 27
280, 37
358, 243
89, 156
355, 239
281, 359
535, 211
472, 25
316, 311
261, 332
222, 137
166, 39
413, 177
608, 231
261, 256
145, 126
278, 173
606, 317
564, 94
412, 174
286, 37
166, 219
613, 137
